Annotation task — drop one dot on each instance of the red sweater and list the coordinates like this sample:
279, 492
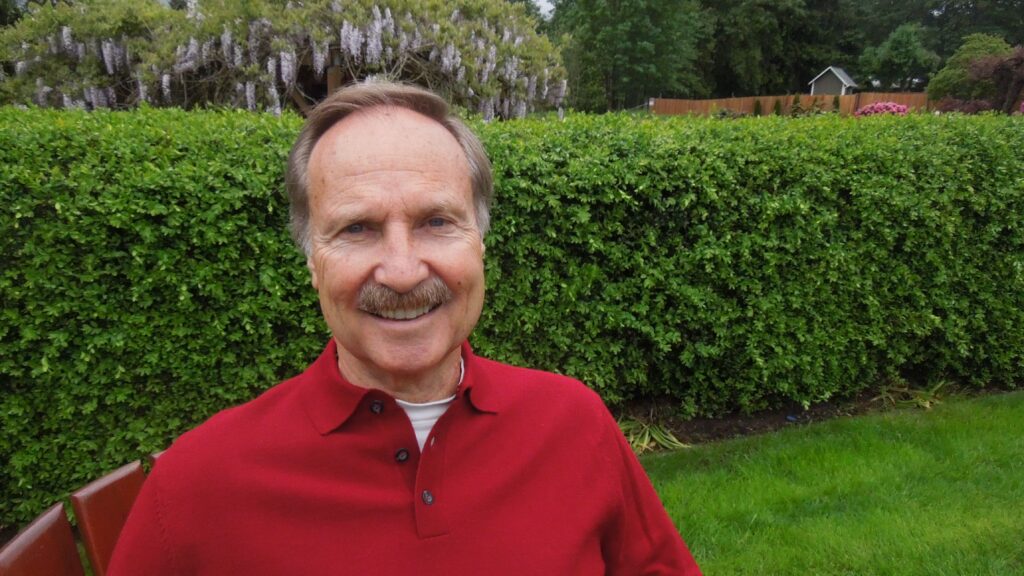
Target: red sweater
526, 473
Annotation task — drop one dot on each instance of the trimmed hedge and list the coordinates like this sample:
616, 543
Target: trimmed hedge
148, 280
739, 264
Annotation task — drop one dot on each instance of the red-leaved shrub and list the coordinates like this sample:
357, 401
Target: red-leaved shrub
949, 104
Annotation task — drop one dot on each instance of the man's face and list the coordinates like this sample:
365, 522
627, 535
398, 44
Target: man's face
392, 216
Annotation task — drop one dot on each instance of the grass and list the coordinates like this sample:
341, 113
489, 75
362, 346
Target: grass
905, 492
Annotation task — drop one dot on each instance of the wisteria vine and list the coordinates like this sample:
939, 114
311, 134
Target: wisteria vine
262, 65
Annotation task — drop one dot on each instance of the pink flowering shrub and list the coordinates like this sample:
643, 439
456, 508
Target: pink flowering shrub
1021, 108
882, 108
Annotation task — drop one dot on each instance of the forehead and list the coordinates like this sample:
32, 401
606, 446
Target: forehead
376, 161
386, 138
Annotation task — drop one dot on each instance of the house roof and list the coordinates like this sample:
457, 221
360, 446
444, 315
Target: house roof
840, 73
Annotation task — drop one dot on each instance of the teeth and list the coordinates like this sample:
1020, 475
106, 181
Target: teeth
404, 314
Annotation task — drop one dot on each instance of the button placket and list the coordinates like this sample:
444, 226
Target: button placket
430, 499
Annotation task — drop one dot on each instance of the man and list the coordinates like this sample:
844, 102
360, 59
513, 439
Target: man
399, 451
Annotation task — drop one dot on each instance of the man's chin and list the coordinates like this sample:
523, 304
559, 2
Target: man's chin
404, 357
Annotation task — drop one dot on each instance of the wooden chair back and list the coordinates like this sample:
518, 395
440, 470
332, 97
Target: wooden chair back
102, 507
46, 547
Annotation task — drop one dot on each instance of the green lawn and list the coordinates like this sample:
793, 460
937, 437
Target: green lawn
907, 492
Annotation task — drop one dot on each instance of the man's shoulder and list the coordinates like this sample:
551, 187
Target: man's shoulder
517, 385
277, 412
551, 417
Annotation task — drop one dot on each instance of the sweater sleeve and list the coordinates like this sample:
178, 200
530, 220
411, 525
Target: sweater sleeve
642, 540
144, 546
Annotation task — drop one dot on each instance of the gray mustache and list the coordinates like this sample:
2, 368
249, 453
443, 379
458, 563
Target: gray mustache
377, 298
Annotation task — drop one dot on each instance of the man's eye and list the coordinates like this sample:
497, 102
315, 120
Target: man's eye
437, 222
354, 228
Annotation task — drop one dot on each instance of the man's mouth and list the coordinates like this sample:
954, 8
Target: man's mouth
409, 314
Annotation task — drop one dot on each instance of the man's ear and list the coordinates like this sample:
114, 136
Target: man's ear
312, 272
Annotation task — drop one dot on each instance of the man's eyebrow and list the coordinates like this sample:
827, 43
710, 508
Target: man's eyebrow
342, 214
445, 205
348, 211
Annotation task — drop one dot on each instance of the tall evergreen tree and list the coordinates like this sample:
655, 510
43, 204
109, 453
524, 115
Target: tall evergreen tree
953, 20
769, 46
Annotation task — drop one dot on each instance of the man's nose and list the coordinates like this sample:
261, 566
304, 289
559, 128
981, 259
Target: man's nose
401, 265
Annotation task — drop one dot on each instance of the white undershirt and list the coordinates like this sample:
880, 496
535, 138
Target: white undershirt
424, 416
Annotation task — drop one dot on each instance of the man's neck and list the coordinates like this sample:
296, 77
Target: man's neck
437, 383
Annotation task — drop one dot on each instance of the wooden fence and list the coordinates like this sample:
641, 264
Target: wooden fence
847, 104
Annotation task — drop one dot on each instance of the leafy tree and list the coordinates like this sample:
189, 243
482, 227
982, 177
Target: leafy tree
902, 61
945, 22
855, 25
759, 47
954, 79
256, 54
621, 52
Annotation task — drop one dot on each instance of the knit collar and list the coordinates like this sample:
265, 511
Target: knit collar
330, 400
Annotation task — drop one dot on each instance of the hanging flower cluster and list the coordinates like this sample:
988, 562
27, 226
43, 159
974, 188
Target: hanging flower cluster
882, 108
497, 67
110, 55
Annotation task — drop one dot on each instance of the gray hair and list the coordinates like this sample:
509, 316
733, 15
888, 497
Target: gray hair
364, 96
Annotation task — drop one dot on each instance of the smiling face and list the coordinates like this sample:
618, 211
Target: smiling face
395, 253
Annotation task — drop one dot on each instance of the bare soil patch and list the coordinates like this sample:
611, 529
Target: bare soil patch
704, 430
